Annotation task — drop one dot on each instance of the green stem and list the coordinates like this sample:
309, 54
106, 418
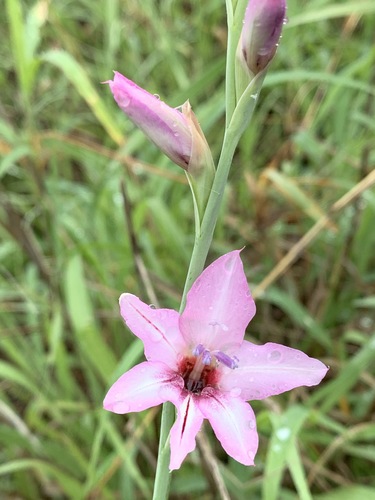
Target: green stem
240, 119
163, 476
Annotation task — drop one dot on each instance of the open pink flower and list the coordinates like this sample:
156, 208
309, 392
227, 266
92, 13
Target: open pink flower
200, 362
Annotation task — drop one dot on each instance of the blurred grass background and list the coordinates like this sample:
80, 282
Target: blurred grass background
300, 187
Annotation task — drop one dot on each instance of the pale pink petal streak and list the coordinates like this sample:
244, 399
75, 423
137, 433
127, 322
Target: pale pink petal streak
147, 384
188, 423
219, 305
271, 369
157, 328
233, 422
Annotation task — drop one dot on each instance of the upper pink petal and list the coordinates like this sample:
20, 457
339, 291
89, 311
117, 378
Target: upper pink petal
147, 384
270, 369
219, 305
157, 328
188, 423
233, 422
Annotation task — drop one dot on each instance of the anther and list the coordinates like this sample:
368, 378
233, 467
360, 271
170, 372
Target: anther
227, 360
197, 351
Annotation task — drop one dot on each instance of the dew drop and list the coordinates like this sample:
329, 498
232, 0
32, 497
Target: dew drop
229, 264
224, 327
274, 356
252, 424
157, 96
124, 100
152, 306
120, 407
283, 433
235, 392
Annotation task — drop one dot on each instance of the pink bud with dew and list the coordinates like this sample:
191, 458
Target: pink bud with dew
261, 32
175, 132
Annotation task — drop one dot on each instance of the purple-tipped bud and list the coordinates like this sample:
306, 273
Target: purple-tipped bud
177, 133
261, 32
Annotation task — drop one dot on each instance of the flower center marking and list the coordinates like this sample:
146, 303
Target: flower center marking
201, 369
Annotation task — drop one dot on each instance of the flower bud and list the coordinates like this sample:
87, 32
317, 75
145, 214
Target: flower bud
177, 133
260, 34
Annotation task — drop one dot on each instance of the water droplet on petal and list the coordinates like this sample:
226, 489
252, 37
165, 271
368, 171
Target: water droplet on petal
229, 264
123, 100
235, 392
274, 356
152, 306
224, 327
120, 407
252, 424
157, 96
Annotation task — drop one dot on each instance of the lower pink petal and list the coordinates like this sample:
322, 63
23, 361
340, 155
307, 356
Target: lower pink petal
188, 423
270, 369
233, 422
147, 384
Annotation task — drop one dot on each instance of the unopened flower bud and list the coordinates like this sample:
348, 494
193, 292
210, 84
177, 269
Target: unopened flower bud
177, 133
260, 34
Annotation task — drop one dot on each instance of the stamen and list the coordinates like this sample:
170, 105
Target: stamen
206, 357
197, 351
227, 360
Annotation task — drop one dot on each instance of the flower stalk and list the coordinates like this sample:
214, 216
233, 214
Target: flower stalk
201, 365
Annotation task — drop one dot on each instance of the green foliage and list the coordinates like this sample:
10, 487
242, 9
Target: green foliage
67, 250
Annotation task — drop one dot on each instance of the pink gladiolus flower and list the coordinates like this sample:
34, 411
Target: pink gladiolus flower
200, 362
177, 133
261, 31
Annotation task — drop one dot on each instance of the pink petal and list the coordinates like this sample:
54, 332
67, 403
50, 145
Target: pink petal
219, 305
146, 385
271, 369
157, 328
183, 433
233, 422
